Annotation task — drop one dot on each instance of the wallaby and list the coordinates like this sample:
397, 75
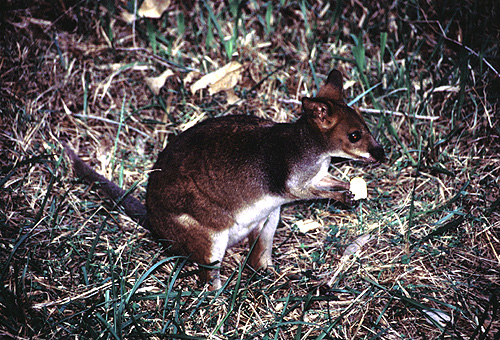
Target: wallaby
225, 179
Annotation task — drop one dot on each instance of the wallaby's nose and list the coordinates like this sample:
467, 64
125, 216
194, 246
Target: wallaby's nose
377, 152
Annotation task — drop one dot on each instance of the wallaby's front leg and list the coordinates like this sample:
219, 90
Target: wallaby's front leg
261, 239
329, 187
217, 252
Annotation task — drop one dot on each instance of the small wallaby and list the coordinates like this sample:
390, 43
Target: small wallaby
225, 179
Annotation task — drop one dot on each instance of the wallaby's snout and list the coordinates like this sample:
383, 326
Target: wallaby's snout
377, 153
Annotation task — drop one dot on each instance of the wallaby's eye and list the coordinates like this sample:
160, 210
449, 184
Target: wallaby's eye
354, 136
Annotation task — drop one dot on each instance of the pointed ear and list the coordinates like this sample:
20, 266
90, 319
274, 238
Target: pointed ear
319, 113
334, 87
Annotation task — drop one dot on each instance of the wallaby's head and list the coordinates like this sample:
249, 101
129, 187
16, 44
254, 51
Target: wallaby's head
343, 129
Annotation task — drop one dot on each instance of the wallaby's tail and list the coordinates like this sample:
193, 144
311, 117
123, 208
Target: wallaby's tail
132, 206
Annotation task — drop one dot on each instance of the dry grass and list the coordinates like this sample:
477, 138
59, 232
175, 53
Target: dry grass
73, 266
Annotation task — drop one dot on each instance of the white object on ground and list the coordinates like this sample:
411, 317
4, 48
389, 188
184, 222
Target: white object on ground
358, 188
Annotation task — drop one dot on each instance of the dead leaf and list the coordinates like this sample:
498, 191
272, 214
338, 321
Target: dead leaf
352, 249
447, 88
156, 83
229, 79
231, 97
189, 77
127, 16
224, 79
153, 8
438, 316
358, 243
306, 226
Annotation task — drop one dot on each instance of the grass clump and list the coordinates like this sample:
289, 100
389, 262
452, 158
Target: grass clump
425, 76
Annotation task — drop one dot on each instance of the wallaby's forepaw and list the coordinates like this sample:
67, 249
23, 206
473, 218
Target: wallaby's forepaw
348, 199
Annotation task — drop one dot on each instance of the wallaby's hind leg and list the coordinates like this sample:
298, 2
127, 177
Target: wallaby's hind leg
184, 235
262, 237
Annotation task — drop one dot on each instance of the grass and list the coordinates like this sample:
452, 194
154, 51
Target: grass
426, 78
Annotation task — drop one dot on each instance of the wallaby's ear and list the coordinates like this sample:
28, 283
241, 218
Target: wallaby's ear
334, 87
319, 112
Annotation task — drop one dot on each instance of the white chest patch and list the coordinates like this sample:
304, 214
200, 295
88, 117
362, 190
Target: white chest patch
323, 171
248, 218
299, 180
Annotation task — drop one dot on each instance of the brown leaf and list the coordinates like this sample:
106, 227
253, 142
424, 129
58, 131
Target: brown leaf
224, 79
358, 243
153, 8
156, 83
308, 225
190, 77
